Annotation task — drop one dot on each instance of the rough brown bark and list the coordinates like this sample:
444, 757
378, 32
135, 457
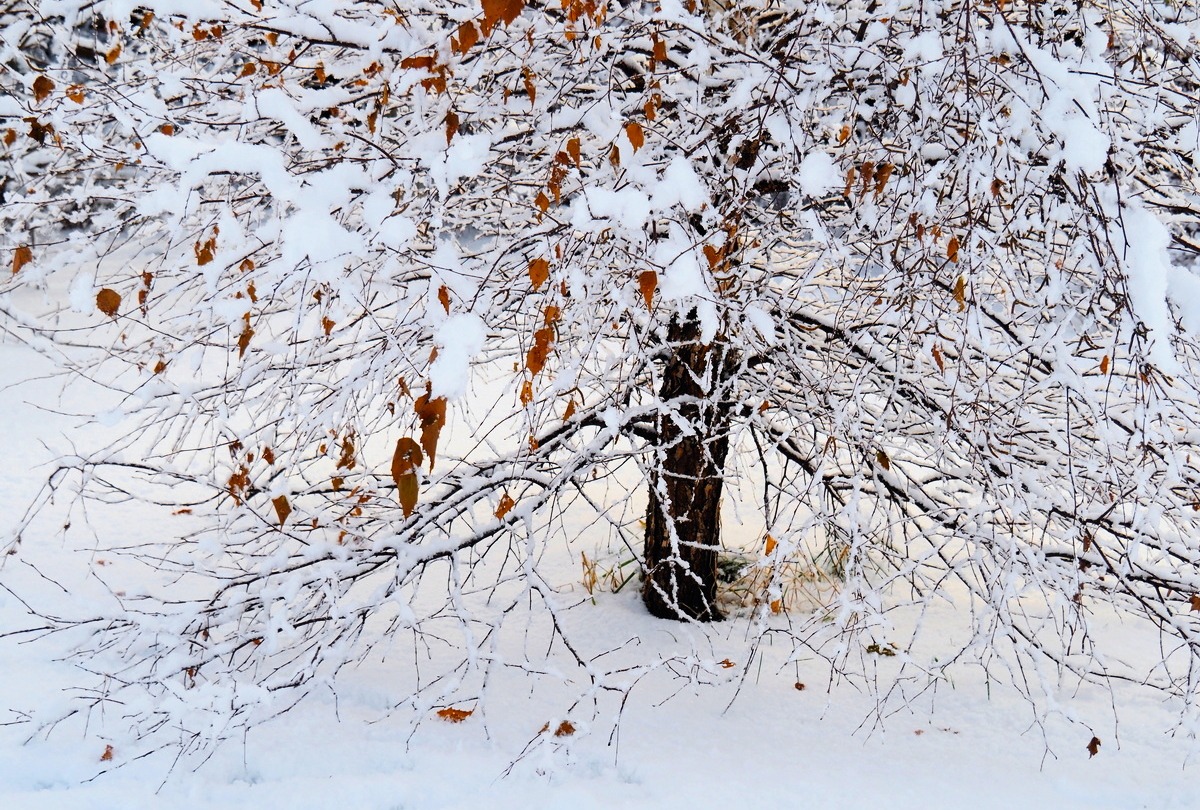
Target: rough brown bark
683, 528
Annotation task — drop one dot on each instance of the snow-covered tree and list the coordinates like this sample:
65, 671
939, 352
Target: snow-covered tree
397, 297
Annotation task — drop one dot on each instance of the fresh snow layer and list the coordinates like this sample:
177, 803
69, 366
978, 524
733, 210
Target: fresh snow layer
773, 746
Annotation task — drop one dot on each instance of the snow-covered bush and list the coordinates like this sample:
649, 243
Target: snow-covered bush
399, 296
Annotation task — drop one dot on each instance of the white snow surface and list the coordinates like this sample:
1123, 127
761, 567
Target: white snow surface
762, 742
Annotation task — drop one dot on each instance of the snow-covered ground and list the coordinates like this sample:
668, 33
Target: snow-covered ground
775, 745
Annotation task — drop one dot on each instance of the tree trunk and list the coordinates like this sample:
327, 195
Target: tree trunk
683, 519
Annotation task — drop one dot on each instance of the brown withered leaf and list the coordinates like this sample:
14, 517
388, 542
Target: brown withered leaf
542, 202
648, 283
881, 177
574, 151
504, 11
1104, 364
952, 249
570, 411
526, 395
405, 463
107, 755
108, 301
346, 459
75, 93
205, 251
727, 664
21, 257
771, 545
505, 506
539, 352
244, 338
960, 293
327, 325
452, 123
113, 55
444, 298
282, 508
539, 271
454, 715
1194, 601
1093, 747
43, 86
527, 77
465, 39
432, 413
937, 357
633, 131
565, 729
883, 459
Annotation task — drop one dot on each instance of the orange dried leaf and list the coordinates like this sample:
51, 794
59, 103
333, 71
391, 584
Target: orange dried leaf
648, 283
444, 298
1093, 747
881, 177
574, 151
107, 755
327, 324
570, 411
539, 352
565, 729
527, 77
10, 137
43, 86
432, 413
771, 545
952, 249
423, 62
727, 664
1104, 364
108, 301
937, 358
465, 39
960, 293
282, 508
21, 257
633, 130
883, 459
160, 367
407, 458
505, 506
844, 135
452, 123
244, 338
1194, 602
526, 394
454, 715
542, 202
75, 93
504, 11
407, 489
113, 55
539, 271
167, 129
248, 69
776, 606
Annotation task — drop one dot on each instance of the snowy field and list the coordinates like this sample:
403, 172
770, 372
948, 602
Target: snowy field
764, 742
